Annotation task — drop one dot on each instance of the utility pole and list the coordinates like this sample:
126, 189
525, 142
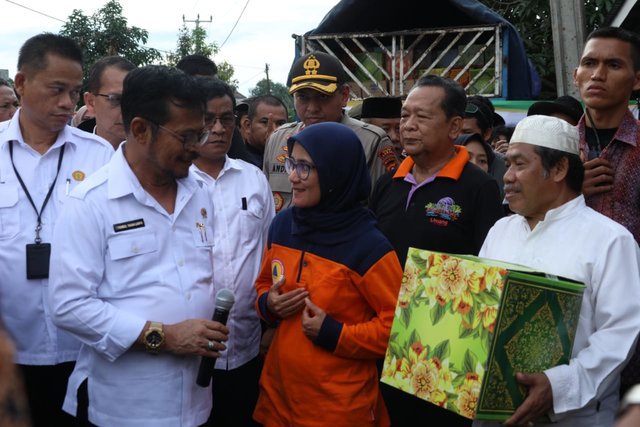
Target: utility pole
197, 20
567, 26
266, 71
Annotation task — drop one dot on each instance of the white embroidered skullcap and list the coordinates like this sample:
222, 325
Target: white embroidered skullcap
547, 131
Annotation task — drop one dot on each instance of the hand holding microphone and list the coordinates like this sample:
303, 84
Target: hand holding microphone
224, 302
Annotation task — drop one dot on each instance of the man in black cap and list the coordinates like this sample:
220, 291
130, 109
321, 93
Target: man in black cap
320, 93
565, 107
384, 112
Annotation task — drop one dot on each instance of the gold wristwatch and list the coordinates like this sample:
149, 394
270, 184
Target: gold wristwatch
153, 337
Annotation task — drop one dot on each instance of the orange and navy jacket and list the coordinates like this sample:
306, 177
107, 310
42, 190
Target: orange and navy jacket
356, 283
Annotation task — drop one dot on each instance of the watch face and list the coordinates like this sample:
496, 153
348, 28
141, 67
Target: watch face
154, 339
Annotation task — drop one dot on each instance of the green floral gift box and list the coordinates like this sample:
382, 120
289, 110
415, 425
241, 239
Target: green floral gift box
465, 325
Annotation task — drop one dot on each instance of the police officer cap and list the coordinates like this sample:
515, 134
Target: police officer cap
381, 107
316, 70
547, 131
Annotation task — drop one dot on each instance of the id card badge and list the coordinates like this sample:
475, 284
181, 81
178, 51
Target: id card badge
38, 255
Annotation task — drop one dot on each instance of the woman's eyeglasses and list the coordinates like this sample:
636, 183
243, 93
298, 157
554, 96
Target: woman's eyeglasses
302, 168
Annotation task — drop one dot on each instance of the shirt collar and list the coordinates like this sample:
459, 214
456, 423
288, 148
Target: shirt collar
627, 132
13, 133
122, 181
453, 168
563, 211
229, 164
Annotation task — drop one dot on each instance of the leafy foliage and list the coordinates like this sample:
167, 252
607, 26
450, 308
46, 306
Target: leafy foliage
533, 21
195, 41
106, 33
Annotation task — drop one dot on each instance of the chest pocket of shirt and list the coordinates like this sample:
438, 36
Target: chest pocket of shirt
132, 244
9, 211
251, 222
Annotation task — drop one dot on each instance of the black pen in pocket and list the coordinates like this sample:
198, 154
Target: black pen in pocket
244, 203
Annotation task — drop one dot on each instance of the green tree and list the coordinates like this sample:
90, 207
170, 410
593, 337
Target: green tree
190, 42
106, 33
195, 42
264, 87
533, 21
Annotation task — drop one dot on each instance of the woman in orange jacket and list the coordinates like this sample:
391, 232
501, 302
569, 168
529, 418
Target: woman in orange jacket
329, 281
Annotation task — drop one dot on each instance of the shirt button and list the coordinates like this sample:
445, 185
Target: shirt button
135, 249
173, 228
188, 295
180, 263
304, 263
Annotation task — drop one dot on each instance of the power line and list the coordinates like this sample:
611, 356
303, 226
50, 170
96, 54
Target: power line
234, 25
36, 11
251, 78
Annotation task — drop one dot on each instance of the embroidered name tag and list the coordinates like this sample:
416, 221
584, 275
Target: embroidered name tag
129, 225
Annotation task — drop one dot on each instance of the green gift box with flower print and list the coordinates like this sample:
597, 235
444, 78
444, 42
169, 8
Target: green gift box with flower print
465, 325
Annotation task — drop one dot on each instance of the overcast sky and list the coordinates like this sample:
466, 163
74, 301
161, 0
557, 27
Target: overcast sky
262, 35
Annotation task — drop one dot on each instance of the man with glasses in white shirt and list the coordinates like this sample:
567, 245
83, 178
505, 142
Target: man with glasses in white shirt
244, 210
132, 273
103, 99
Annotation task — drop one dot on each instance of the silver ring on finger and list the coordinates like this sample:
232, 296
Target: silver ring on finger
210, 346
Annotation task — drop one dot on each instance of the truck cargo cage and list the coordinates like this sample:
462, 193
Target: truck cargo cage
389, 63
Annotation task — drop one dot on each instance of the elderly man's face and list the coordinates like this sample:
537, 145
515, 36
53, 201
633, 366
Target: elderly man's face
424, 125
528, 189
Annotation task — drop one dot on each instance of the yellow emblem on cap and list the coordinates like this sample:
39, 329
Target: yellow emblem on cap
311, 65
78, 175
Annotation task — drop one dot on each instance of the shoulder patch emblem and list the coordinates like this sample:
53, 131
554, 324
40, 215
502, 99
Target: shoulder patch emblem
278, 201
388, 157
280, 158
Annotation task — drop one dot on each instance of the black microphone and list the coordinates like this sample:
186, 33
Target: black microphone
224, 302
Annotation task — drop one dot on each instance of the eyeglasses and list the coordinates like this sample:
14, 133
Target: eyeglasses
112, 98
189, 139
227, 121
302, 168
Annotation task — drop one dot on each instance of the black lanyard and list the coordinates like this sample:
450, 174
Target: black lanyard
24, 187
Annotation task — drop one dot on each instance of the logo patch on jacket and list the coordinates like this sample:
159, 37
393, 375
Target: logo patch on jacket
278, 201
277, 270
443, 212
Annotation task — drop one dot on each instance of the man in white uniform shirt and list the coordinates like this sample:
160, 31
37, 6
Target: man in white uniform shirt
132, 273
103, 96
41, 161
243, 211
555, 232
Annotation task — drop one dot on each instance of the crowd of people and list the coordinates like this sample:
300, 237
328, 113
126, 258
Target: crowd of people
121, 221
